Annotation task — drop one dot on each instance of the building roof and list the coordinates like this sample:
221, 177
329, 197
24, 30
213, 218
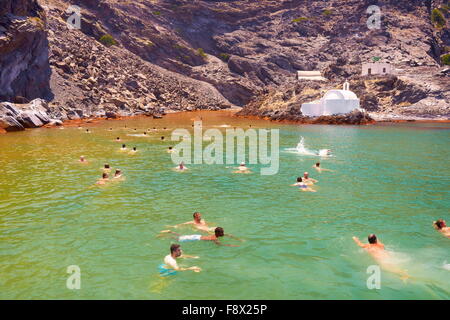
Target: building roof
340, 95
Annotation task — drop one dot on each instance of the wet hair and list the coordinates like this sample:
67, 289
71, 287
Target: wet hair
118, 138
145, 132
107, 166
439, 223
219, 232
299, 179
170, 148
195, 213
162, 138
174, 247
118, 171
104, 175
318, 164
123, 146
134, 148
372, 238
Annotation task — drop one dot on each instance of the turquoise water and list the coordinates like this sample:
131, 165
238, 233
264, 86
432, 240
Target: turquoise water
392, 180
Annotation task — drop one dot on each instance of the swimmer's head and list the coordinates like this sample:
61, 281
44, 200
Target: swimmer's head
134, 148
170, 148
123, 146
440, 223
162, 138
118, 172
118, 138
197, 216
81, 158
145, 133
242, 164
107, 166
105, 175
175, 249
372, 238
306, 175
318, 164
219, 232
299, 179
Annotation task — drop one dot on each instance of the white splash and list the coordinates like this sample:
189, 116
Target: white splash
301, 149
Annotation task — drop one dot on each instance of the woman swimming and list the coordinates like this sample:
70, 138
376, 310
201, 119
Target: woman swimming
303, 186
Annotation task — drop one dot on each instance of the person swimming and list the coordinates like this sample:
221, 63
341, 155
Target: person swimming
106, 168
170, 265
110, 129
118, 139
242, 169
123, 148
441, 226
308, 180
162, 138
87, 131
133, 151
170, 150
377, 250
303, 186
118, 174
218, 233
197, 222
82, 159
201, 225
181, 167
319, 168
103, 180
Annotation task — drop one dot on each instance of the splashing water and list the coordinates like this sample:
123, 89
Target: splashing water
301, 149
446, 266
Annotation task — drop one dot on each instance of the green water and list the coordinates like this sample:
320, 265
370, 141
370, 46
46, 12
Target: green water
392, 180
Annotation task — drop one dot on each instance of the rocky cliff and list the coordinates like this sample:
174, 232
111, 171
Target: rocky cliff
154, 56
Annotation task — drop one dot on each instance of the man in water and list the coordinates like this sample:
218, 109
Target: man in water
170, 262
308, 180
118, 139
218, 233
118, 175
376, 249
319, 169
124, 148
133, 151
181, 167
441, 226
162, 138
198, 223
83, 160
242, 169
104, 179
303, 186
106, 168
170, 150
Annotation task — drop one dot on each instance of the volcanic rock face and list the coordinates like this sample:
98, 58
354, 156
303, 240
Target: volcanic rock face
24, 66
198, 54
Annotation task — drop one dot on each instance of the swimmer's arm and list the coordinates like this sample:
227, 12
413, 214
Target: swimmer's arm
359, 243
186, 256
181, 224
231, 236
226, 245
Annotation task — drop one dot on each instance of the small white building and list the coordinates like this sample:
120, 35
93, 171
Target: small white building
375, 68
310, 75
333, 102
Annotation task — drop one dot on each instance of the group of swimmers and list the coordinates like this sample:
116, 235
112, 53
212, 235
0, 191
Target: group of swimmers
306, 183
170, 266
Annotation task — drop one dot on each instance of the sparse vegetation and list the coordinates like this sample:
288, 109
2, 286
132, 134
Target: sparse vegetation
201, 53
157, 13
299, 19
108, 40
437, 18
327, 12
446, 59
224, 56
